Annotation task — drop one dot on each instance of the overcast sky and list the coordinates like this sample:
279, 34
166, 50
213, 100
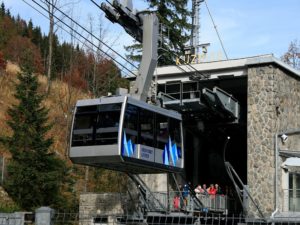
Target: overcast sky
247, 27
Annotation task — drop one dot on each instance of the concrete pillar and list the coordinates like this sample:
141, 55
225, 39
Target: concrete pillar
44, 216
156, 182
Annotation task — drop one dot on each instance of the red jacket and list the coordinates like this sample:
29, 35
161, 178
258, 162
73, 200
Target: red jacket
212, 191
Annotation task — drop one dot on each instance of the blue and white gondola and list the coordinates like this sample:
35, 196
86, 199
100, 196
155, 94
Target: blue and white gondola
124, 134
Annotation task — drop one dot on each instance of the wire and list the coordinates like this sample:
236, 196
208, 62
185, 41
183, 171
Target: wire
162, 48
193, 68
215, 26
82, 42
88, 32
64, 14
90, 42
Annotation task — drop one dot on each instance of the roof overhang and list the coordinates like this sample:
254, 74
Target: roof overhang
217, 69
270, 59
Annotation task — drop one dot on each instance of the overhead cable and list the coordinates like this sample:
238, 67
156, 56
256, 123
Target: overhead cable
79, 40
215, 26
83, 28
193, 69
90, 42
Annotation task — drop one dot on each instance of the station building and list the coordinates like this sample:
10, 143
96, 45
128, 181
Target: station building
262, 144
259, 137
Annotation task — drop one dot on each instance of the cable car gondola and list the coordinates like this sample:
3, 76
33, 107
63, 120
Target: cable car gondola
124, 134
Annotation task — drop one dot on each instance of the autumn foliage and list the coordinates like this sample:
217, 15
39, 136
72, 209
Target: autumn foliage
18, 47
79, 68
2, 62
292, 56
77, 74
75, 79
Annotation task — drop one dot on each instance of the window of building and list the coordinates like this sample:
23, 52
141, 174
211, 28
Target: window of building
294, 192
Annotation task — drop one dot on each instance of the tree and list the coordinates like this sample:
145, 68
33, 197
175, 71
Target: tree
7, 31
292, 56
2, 10
35, 175
18, 47
52, 7
108, 78
2, 63
173, 17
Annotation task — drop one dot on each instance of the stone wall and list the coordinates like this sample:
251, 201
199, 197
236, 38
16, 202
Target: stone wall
92, 205
156, 182
273, 106
105, 204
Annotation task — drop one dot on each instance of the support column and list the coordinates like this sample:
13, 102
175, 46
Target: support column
44, 216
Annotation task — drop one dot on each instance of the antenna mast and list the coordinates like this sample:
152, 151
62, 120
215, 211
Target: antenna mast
195, 32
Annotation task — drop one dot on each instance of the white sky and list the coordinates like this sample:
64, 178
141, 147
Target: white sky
247, 28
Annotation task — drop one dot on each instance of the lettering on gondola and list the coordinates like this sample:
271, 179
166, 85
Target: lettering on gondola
147, 154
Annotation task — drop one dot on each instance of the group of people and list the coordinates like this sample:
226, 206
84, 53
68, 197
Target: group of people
182, 201
211, 190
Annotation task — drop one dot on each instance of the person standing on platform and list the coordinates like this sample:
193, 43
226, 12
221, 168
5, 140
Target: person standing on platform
212, 190
185, 194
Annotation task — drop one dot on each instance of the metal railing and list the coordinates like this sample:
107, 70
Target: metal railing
180, 95
171, 219
210, 202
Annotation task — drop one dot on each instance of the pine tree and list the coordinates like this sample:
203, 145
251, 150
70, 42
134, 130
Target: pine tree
173, 17
35, 175
2, 10
37, 37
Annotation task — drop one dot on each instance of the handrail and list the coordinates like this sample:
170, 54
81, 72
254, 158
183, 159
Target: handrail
208, 202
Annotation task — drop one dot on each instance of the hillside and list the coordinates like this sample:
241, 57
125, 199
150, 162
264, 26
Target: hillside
77, 73
60, 102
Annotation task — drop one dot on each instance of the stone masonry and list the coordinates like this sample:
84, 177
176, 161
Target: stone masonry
273, 106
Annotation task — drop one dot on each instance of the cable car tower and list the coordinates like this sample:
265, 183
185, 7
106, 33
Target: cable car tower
143, 26
124, 133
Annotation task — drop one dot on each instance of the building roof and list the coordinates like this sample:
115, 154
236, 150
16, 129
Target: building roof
233, 67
